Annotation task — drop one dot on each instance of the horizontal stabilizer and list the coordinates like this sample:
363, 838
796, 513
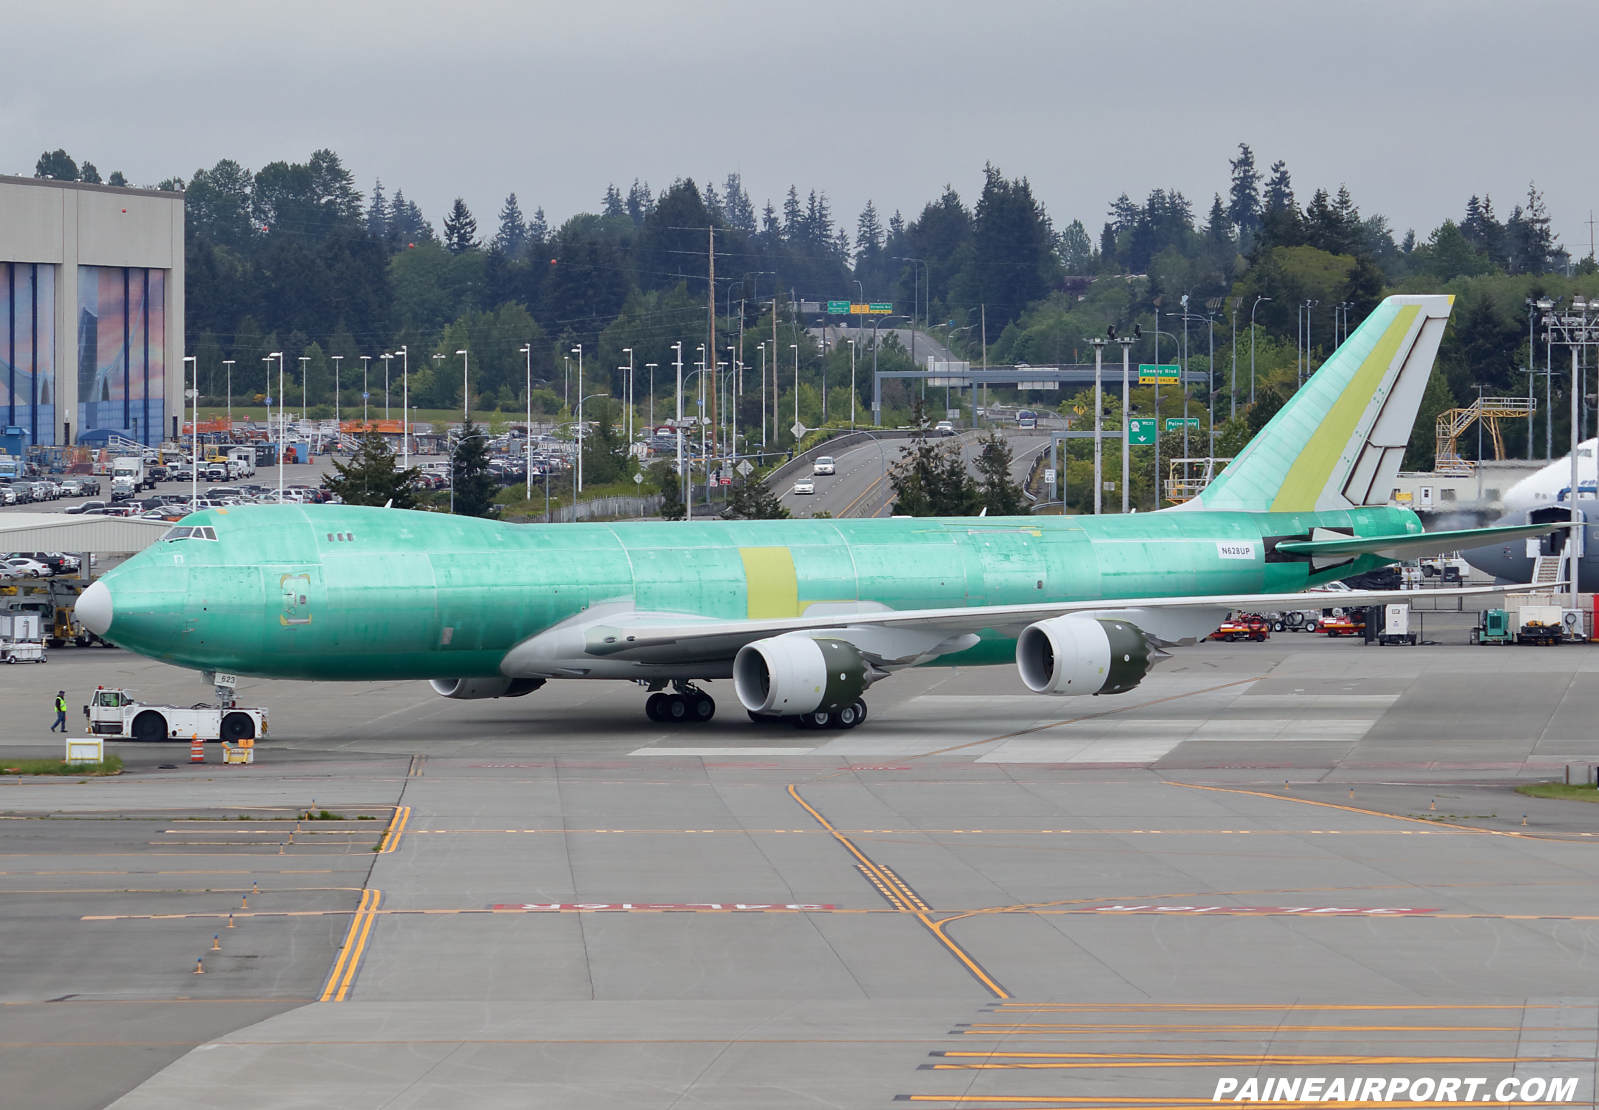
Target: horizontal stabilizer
1418, 545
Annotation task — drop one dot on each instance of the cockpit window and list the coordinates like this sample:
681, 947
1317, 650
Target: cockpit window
184, 533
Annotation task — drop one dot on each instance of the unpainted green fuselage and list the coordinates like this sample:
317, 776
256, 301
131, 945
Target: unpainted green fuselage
342, 592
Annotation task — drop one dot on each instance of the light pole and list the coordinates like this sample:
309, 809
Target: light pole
1127, 342
527, 437
650, 366
194, 432
405, 403
366, 387
1252, 347
268, 397
228, 362
629, 352
466, 389
795, 348
678, 426
578, 351
279, 356
763, 395
336, 360
852, 381
1099, 412
1232, 412
387, 357
304, 395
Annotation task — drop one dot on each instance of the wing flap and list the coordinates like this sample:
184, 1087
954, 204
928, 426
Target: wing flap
1418, 544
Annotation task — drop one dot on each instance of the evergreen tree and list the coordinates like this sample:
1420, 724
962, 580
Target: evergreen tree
868, 236
1243, 195
1279, 189
740, 210
89, 173
896, 225
613, 205
664, 474
1219, 225
936, 482
769, 222
408, 227
753, 500
538, 234
604, 450
372, 478
56, 165
377, 213
1077, 249
1014, 261
997, 493
474, 484
639, 201
793, 217
513, 229
1529, 243
713, 204
117, 179
460, 229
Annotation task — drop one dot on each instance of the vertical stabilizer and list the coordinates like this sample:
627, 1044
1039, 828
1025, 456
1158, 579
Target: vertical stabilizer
1338, 442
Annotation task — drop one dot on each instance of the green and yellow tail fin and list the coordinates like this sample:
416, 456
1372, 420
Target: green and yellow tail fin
1338, 442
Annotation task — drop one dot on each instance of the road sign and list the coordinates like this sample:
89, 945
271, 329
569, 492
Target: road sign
744, 467
1166, 373
1049, 475
365, 396
798, 429
870, 309
1141, 431
638, 479
1175, 423
838, 308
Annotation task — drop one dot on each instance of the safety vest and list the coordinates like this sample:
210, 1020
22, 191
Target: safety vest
61, 704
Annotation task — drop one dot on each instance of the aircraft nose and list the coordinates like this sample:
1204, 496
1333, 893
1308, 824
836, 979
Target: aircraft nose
94, 609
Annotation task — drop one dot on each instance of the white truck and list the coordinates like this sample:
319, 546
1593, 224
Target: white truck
22, 637
244, 457
129, 475
114, 711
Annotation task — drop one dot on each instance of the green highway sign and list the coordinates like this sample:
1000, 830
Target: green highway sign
1163, 374
838, 308
1174, 424
1141, 431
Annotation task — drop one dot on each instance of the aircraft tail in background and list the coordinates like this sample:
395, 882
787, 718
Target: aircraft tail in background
1338, 442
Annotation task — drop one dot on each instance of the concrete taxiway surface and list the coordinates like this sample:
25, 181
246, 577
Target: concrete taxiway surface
1298, 858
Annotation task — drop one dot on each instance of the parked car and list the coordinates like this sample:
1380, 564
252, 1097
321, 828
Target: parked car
28, 568
8, 496
75, 510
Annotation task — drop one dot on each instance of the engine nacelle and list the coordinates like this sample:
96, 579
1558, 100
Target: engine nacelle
1082, 655
790, 675
471, 689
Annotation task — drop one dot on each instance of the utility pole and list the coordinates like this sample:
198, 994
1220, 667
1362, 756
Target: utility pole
678, 423
710, 349
1099, 412
336, 360
1127, 438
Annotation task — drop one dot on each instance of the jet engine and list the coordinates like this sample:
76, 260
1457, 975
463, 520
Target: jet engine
1082, 655
471, 689
790, 675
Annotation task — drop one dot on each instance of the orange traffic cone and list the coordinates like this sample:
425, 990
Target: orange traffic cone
196, 749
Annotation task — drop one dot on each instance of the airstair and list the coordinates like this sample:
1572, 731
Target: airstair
1547, 570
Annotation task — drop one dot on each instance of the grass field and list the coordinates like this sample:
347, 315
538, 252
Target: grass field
1559, 790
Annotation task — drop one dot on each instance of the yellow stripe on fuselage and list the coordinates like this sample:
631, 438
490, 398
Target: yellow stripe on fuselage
770, 582
1308, 475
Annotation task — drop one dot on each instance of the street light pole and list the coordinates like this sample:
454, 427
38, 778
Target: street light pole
336, 360
650, 366
1099, 409
1252, 347
228, 362
366, 389
387, 358
1127, 435
194, 433
795, 348
466, 390
763, 395
688, 513
279, 356
578, 351
527, 436
629, 352
405, 402
852, 381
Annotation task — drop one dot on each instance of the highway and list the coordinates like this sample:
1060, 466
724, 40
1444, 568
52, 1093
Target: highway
859, 488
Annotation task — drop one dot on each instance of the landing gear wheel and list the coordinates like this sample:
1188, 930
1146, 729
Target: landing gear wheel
860, 711
675, 708
701, 708
655, 707
816, 718
844, 718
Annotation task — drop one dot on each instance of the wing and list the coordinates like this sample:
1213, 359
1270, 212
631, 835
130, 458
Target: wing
892, 638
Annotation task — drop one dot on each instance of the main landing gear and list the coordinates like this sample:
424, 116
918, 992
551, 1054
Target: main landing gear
689, 705
847, 717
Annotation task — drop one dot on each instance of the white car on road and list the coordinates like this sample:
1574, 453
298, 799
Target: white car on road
804, 485
822, 465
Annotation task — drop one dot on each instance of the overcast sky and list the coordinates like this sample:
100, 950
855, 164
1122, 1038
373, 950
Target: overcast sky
1415, 106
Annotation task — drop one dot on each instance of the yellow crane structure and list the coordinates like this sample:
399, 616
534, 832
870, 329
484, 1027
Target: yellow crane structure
1452, 424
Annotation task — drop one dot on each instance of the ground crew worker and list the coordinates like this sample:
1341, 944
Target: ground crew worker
61, 711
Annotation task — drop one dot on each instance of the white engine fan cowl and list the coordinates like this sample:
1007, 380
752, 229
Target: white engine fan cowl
473, 689
1071, 656
790, 675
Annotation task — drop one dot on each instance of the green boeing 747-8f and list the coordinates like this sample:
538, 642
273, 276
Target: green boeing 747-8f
802, 615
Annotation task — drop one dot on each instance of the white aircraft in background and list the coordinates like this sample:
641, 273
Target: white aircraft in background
1552, 484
